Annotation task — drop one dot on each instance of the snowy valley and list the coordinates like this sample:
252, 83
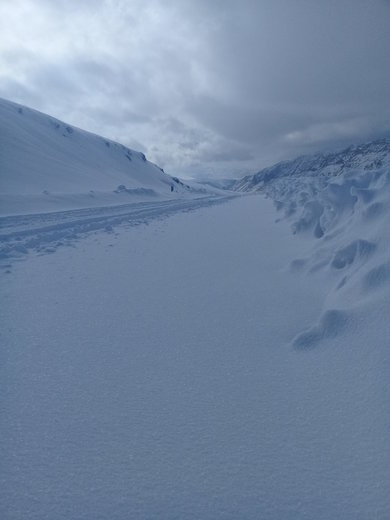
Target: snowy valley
176, 350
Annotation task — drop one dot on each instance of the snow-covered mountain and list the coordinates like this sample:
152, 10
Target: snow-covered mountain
48, 164
370, 156
220, 184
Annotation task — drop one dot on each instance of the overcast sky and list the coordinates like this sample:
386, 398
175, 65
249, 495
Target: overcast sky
218, 87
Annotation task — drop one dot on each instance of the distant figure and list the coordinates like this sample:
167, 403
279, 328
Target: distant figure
171, 187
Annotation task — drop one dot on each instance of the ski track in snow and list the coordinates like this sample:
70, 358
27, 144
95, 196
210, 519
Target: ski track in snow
45, 232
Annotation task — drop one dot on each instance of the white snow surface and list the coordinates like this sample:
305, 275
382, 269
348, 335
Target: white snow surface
48, 165
185, 355
207, 365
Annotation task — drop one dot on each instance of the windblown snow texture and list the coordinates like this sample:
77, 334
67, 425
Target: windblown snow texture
228, 362
342, 201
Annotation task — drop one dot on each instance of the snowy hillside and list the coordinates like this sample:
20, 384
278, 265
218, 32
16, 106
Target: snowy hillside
368, 157
46, 164
221, 184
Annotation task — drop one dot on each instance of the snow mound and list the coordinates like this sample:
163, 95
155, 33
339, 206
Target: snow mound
49, 165
331, 323
339, 205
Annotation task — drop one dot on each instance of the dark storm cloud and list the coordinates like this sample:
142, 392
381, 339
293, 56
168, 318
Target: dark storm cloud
212, 86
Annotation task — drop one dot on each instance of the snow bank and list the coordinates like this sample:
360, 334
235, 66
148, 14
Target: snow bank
342, 202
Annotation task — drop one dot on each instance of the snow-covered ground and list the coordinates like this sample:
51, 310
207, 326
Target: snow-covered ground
191, 354
159, 371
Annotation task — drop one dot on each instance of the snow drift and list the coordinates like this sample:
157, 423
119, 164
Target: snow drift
341, 200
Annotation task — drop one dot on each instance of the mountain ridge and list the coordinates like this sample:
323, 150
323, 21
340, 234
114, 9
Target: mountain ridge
369, 156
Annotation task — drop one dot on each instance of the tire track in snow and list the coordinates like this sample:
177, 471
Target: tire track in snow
45, 232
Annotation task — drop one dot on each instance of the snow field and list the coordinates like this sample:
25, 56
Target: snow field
230, 361
152, 372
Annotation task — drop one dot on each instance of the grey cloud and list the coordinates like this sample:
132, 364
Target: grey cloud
210, 85
118, 117
225, 154
247, 124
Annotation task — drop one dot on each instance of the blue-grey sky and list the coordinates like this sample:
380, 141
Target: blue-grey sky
203, 87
